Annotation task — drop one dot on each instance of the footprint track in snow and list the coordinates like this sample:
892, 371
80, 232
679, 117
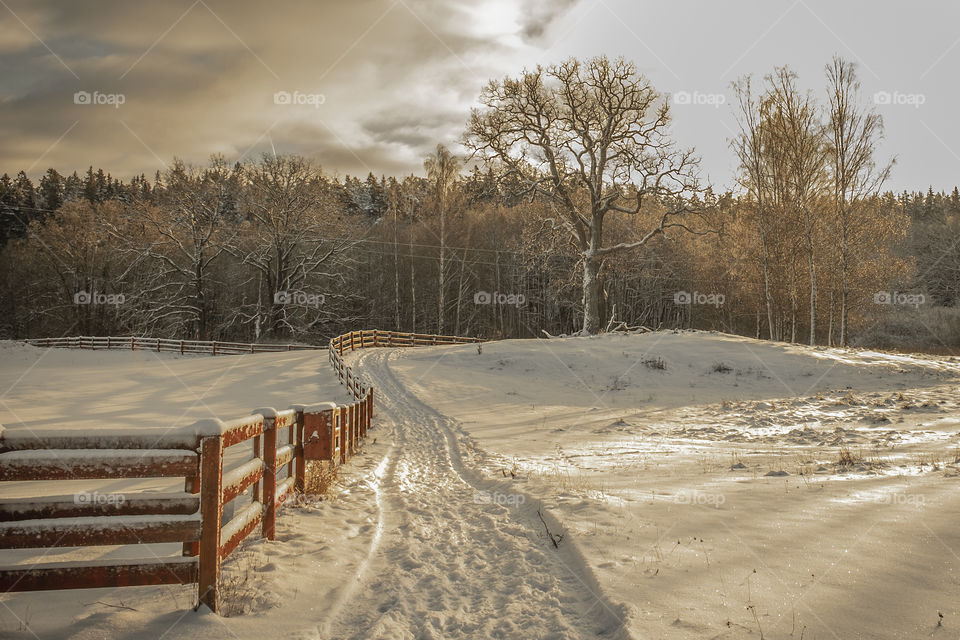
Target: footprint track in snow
450, 565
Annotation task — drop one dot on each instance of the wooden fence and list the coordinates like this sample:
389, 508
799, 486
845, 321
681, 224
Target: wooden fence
194, 517
134, 343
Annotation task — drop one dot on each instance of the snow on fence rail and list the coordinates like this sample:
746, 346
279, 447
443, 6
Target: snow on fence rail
193, 517
134, 343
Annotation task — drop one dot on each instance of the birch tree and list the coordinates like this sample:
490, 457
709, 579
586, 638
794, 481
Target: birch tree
749, 146
592, 138
442, 171
855, 176
796, 139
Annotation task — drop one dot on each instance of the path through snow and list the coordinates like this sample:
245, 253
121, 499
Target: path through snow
453, 563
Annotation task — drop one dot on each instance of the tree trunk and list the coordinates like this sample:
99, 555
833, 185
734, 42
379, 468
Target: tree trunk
441, 300
460, 294
830, 322
766, 283
258, 323
793, 305
396, 272
413, 291
497, 308
200, 330
591, 295
844, 249
811, 267
765, 259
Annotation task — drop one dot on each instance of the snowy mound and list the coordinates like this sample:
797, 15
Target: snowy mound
663, 369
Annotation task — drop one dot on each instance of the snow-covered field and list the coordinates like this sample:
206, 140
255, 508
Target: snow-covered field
695, 479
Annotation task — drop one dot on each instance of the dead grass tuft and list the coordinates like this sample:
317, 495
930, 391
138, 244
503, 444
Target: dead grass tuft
319, 478
848, 458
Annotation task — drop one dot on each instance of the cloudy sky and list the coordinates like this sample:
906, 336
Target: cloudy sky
373, 85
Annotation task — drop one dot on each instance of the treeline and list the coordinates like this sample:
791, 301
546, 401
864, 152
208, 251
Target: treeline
266, 250
203, 253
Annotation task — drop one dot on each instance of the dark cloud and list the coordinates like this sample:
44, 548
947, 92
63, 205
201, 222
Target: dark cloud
538, 15
198, 78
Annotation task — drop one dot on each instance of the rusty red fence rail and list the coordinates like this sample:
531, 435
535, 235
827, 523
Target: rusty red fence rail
193, 518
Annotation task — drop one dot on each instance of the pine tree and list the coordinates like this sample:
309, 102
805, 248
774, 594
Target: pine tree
51, 190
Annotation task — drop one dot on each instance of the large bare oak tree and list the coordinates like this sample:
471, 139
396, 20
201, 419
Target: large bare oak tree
592, 138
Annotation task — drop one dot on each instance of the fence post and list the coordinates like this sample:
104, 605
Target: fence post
257, 454
211, 510
361, 417
352, 447
345, 434
214, 347
367, 411
133, 343
269, 495
292, 440
334, 435
192, 485
362, 429
344, 428
354, 425
181, 347
300, 471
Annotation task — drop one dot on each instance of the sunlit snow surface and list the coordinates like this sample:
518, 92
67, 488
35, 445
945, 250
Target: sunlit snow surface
714, 486
706, 486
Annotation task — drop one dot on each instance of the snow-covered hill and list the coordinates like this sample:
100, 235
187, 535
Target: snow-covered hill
700, 475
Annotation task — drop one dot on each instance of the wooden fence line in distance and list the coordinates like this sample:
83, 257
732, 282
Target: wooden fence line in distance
134, 343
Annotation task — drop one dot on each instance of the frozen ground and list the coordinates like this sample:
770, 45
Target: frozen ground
695, 480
